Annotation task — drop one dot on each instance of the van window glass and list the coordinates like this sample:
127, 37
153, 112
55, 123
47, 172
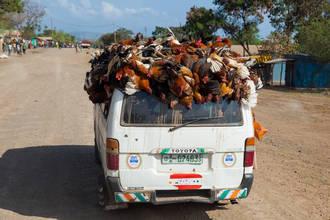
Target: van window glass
142, 109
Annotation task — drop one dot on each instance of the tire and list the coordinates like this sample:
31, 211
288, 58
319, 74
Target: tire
96, 153
108, 201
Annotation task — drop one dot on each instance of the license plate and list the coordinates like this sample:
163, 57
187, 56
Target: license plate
182, 159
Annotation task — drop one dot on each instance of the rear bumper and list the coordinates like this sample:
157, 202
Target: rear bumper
178, 196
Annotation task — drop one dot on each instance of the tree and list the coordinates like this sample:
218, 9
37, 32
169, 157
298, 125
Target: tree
314, 38
278, 44
59, 36
8, 6
11, 6
201, 23
289, 15
239, 19
162, 32
29, 20
107, 39
121, 34
63, 37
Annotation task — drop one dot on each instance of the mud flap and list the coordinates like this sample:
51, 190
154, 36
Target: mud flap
108, 199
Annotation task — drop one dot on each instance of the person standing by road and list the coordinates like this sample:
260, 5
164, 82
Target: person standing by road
18, 49
24, 48
76, 46
4, 47
9, 49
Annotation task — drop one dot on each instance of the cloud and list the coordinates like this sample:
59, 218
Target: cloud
63, 3
84, 7
135, 11
86, 3
108, 9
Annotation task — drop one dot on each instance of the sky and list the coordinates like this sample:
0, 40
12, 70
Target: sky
102, 16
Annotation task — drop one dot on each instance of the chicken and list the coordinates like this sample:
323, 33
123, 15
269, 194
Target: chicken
226, 90
123, 71
196, 78
250, 95
226, 41
222, 43
142, 83
189, 80
177, 58
186, 101
214, 56
186, 72
179, 87
174, 72
254, 78
160, 90
203, 73
158, 73
230, 62
197, 96
259, 130
126, 42
187, 60
139, 67
212, 90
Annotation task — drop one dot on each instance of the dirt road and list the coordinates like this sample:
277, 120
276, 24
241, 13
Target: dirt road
46, 155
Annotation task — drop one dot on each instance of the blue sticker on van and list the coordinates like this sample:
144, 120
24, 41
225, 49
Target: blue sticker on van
229, 159
134, 161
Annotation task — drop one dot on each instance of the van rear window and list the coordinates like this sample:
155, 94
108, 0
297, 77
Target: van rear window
142, 109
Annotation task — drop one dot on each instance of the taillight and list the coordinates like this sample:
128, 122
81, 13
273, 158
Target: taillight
112, 154
249, 152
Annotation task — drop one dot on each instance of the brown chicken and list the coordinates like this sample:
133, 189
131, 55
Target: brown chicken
226, 90
197, 96
126, 42
188, 60
222, 43
186, 101
158, 73
142, 83
179, 87
138, 67
124, 71
186, 72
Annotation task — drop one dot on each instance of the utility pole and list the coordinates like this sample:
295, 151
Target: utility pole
114, 33
145, 31
51, 26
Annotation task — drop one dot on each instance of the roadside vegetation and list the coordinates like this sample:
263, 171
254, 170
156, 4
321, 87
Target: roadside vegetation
26, 16
301, 26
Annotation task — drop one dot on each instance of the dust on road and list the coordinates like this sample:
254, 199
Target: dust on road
46, 155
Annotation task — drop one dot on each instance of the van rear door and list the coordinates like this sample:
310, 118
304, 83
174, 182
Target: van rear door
206, 153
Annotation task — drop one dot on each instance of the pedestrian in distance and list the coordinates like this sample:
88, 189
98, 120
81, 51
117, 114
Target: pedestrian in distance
76, 46
4, 47
24, 48
9, 49
18, 49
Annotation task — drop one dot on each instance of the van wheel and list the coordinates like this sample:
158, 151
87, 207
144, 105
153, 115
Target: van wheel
96, 154
106, 197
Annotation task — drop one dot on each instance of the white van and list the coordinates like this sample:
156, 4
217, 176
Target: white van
151, 153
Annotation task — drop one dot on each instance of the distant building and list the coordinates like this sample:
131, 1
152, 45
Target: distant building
296, 71
307, 72
254, 49
15, 35
45, 40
